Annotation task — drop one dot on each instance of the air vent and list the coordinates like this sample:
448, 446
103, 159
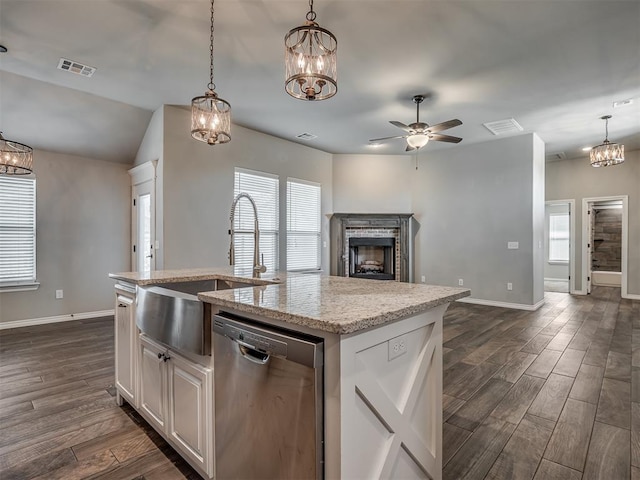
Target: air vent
501, 127
556, 156
623, 103
75, 67
306, 136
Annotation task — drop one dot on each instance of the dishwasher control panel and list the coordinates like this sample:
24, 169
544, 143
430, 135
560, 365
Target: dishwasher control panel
256, 341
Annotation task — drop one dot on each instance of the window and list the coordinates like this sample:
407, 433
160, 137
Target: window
263, 189
559, 237
17, 232
303, 225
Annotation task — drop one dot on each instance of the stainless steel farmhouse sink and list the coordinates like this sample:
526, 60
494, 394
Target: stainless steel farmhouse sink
172, 314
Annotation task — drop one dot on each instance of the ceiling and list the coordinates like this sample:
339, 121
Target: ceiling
555, 66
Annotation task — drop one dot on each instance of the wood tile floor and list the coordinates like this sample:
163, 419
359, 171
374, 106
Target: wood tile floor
551, 394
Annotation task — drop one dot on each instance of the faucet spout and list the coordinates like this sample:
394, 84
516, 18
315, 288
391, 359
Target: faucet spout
258, 267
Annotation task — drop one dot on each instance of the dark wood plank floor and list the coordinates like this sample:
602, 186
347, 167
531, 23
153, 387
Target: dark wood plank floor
527, 395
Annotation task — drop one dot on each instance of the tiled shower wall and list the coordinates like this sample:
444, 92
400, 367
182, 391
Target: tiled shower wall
367, 232
607, 240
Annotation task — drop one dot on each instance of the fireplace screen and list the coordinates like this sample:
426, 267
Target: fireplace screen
372, 258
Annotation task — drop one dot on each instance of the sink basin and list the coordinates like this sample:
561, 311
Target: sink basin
172, 314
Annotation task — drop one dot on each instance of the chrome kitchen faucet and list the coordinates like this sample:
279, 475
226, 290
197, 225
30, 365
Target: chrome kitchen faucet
258, 266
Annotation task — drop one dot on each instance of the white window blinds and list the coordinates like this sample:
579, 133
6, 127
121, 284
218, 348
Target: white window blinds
559, 237
17, 230
303, 225
263, 189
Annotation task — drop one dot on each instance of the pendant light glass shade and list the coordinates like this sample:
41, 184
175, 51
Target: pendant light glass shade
311, 61
15, 158
607, 153
210, 114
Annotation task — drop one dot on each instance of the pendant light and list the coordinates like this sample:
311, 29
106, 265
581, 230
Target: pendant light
606, 153
15, 158
210, 114
310, 61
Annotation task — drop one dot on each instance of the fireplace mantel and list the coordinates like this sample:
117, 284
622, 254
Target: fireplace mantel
400, 222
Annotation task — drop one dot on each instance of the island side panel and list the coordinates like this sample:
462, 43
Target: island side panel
391, 399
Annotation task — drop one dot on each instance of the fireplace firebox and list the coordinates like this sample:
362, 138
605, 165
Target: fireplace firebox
373, 258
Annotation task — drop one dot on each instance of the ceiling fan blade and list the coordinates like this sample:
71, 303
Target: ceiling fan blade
444, 138
401, 125
387, 138
444, 126
409, 148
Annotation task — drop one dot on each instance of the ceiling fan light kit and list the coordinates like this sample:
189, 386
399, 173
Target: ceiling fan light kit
419, 133
310, 61
15, 158
606, 153
210, 114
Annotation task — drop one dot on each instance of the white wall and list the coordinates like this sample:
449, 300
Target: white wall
372, 183
577, 179
82, 229
470, 201
198, 188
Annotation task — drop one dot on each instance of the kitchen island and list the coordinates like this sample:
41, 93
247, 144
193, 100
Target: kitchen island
382, 366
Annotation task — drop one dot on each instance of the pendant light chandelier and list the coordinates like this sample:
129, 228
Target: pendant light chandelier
210, 114
607, 153
310, 61
15, 158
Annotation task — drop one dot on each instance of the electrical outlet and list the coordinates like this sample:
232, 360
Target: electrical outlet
423, 279
460, 282
397, 346
59, 294
509, 286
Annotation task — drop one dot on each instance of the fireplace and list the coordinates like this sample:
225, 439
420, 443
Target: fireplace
371, 257
375, 246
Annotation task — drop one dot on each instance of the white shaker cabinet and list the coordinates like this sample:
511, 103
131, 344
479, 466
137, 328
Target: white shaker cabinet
176, 397
126, 345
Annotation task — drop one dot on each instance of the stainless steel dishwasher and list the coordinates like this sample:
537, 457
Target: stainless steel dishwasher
268, 402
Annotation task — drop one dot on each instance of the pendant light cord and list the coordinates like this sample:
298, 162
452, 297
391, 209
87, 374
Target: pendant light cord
212, 86
606, 129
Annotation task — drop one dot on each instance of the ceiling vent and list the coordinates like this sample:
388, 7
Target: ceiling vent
553, 157
623, 103
75, 67
500, 127
306, 136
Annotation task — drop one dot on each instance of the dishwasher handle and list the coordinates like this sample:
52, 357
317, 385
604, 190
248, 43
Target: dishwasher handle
253, 355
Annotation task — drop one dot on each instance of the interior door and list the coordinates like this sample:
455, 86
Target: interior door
591, 218
143, 227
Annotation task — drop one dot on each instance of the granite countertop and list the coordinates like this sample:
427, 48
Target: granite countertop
335, 304
158, 277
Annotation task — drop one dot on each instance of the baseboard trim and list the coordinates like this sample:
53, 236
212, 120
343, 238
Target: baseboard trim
563, 280
55, 319
492, 303
631, 296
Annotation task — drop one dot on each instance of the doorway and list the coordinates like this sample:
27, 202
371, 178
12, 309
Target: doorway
605, 227
559, 266
143, 243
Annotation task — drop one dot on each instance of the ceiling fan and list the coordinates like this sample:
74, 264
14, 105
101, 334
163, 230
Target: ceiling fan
419, 133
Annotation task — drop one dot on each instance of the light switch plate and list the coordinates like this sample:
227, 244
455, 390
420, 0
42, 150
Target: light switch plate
513, 245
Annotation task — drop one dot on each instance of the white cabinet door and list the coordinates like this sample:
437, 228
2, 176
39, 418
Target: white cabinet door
153, 382
190, 410
125, 346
